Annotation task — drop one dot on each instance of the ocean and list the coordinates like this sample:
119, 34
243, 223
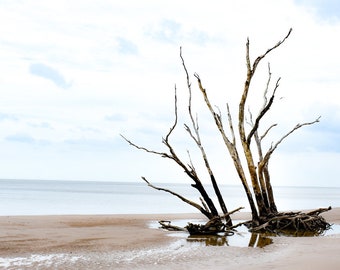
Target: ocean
42, 197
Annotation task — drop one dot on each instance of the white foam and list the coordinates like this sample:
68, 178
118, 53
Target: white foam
37, 259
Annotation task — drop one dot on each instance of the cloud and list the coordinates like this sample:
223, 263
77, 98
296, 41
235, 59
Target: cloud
173, 32
117, 117
22, 138
199, 37
325, 11
168, 31
124, 58
126, 46
4, 116
49, 73
89, 145
41, 125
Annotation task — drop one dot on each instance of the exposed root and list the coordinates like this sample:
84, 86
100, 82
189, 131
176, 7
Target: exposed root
286, 223
212, 227
294, 223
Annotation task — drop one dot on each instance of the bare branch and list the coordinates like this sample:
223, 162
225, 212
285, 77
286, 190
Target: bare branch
245, 140
319, 211
219, 115
267, 87
258, 59
248, 56
187, 128
204, 204
266, 132
250, 73
176, 119
197, 206
188, 86
262, 113
273, 147
230, 146
212, 111
191, 163
198, 142
231, 126
145, 149
165, 140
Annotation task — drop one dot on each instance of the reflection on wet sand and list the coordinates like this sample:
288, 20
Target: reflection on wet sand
256, 240
259, 240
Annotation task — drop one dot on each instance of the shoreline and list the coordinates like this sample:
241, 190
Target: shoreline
126, 241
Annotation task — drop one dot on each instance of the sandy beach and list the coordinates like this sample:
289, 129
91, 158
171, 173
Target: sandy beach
130, 242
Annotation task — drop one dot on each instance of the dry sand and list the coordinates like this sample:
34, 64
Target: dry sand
128, 242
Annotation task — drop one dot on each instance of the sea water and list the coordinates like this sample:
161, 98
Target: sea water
42, 197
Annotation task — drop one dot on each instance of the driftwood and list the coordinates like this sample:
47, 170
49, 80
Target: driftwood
284, 223
166, 224
294, 223
254, 177
214, 226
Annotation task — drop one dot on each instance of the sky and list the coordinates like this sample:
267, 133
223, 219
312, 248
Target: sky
74, 75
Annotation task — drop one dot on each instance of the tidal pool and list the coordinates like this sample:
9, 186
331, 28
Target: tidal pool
241, 238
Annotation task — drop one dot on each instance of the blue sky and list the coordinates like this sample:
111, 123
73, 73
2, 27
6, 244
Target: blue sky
76, 74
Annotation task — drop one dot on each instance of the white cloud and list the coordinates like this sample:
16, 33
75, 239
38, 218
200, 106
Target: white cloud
20, 138
49, 73
126, 47
123, 61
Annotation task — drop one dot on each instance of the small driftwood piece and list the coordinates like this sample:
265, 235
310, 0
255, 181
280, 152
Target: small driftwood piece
166, 224
214, 226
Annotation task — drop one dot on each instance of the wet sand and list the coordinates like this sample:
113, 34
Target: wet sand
128, 242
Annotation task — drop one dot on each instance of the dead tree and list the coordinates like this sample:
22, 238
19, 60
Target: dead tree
263, 208
207, 206
255, 177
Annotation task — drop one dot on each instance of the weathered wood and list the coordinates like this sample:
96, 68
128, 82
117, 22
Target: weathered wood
231, 146
197, 139
204, 211
213, 226
319, 211
295, 223
166, 224
255, 177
